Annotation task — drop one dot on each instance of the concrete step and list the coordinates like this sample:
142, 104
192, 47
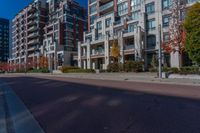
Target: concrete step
57, 72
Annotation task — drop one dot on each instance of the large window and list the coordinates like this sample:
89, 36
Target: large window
151, 24
166, 37
166, 4
92, 18
123, 8
191, 1
135, 15
135, 4
132, 27
166, 20
92, 1
99, 25
150, 8
108, 22
93, 8
151, 41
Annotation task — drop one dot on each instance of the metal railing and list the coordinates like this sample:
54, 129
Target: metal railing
106, 6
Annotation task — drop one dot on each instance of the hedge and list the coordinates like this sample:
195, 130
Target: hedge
70, 69
183, 70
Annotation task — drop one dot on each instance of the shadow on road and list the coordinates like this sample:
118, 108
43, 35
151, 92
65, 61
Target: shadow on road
65, 107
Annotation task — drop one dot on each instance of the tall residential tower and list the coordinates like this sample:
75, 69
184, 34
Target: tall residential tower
65, 27
4, 40
27, 34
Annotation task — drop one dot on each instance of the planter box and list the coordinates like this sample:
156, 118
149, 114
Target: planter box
179, 76
165, 75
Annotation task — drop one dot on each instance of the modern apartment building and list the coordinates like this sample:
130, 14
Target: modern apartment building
50, 28
4, 40
27, 33
134, 24
66, 24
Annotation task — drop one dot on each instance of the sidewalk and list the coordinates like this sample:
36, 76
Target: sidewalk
129, 77
14, 116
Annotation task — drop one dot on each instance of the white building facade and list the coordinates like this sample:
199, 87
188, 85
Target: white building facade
134, 24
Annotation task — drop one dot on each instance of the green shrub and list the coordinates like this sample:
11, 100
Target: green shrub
81, 71
20, 70
153, 69
166, 69
183, 70
133, 66
114, 67
41, 70
189, 70
174, 70
71, 69
65, 69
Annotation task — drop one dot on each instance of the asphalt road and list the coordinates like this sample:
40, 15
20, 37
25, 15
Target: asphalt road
63, 106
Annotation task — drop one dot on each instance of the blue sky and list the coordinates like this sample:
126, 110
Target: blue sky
9, 8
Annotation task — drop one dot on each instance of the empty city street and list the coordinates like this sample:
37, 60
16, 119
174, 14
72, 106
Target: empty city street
69, 105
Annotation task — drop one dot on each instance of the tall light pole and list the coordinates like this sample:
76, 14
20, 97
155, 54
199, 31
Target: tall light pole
160, 53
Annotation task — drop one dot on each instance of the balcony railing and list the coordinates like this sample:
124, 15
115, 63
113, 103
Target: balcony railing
33, 41
118, 22
128, 47
97, 52
33, 35
106, 6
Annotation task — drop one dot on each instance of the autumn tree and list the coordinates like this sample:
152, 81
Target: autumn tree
115, 52
43, 62
192, 27
177, 34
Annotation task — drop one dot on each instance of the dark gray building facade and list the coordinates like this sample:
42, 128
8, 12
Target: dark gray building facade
4, 40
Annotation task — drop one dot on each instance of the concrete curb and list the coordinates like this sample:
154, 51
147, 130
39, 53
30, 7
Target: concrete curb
3, 127
19, 120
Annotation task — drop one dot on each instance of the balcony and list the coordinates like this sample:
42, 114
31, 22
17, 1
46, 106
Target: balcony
32, 28
33, 41
31, 23
33, 35
106, 6
128, 33
33, 48
98, 53
129, 47
31, 16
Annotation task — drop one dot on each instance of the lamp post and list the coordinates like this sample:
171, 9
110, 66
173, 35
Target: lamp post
159, 53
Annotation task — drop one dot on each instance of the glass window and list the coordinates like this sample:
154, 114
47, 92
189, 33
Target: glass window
166, 4
123, 8
135, 15
150, 8
132, 27
99, 25
151, 41
93, 8
92, 1
92, 18
165, 37
135, 4
108, 22
151, 24
166, 20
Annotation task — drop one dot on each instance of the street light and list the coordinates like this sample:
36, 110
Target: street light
160, 53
